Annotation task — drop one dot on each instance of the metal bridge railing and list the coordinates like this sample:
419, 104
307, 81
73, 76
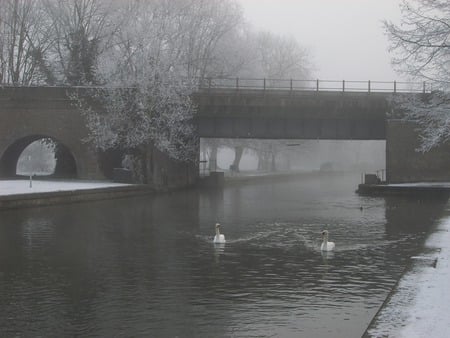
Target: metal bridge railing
288, 85
315, 85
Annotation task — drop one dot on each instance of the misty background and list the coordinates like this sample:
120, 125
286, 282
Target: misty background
345, 39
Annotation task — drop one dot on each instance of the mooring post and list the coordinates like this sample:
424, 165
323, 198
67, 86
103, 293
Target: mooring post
31, 174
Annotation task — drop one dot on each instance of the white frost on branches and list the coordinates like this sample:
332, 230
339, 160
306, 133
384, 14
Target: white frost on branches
150, 101
421, 43
431, 113
421, 49
158, 113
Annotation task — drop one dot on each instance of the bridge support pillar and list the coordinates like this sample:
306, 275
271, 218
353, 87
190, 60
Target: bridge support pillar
405, 164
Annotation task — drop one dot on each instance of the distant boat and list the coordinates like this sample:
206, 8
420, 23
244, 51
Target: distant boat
326, 167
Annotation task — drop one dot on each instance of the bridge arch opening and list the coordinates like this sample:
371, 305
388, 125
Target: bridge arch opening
254, 156
39, 155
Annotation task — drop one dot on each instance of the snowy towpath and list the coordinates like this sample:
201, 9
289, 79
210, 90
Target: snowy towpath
15, 187
421, 304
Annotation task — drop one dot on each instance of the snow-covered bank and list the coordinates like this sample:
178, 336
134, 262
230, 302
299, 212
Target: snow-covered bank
421, 303
15, 187
19, 194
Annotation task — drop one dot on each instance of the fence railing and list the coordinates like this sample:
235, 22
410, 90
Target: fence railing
316, 85
206, 166
378, 178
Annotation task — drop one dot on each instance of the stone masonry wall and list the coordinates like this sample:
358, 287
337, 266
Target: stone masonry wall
405, 164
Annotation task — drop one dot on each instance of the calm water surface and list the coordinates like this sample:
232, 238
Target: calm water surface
147, 266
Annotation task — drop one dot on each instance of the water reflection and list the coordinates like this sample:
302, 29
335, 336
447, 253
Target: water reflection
326, 255
408, 215
219, 249
148, 267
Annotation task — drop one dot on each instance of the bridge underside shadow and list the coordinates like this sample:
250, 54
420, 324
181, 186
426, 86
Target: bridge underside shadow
291, 128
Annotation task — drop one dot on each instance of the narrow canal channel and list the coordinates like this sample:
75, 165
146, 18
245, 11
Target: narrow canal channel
147, 266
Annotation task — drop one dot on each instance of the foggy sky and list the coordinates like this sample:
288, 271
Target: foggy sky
345, 38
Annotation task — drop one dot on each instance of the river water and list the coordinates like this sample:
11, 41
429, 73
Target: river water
147, 266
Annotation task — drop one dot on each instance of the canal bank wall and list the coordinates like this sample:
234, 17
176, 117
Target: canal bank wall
17, 193
39, 199
273, 177
222, 179
438, 189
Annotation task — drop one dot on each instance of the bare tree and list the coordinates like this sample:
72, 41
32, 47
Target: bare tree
421, 49
281, 57
430, 113
234, 54
151, 105
420, 44
249, 54
83, 30
24, 40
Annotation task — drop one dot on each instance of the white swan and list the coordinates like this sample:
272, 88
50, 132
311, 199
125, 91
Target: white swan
326, 246
219, 238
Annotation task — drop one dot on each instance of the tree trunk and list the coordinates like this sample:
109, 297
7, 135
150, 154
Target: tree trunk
273, 166
263, 164
213, 158
238, 151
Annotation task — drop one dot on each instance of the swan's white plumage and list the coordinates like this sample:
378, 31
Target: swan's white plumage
219, 238
326, 246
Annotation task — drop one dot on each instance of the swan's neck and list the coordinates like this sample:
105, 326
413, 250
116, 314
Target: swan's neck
325, 239
217, 232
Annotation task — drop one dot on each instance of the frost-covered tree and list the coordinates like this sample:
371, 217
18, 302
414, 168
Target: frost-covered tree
159, 54
55, 41
234, 54
281, 57
63, 41
147, 101
199, 28
157, 111
430, 112
24, 40
247, 53
421, 49
420, 43
82, 31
